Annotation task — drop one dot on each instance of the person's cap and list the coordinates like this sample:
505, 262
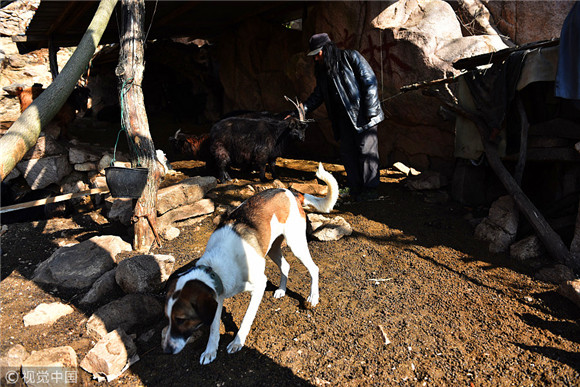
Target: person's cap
316, 43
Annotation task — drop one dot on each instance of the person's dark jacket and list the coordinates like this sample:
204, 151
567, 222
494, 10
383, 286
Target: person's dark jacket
356, 85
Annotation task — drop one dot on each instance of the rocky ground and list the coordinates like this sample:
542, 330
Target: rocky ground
410, 298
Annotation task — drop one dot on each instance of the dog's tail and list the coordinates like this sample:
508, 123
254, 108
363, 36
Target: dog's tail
325, 204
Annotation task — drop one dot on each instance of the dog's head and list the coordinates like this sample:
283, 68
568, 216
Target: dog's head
190, 305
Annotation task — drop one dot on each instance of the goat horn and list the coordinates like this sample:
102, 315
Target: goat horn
300, 107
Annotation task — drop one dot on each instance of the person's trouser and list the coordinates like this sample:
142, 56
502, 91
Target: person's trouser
360, 156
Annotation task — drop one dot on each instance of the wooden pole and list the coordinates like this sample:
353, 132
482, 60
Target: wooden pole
551, 240
53, 199
53, 57
134, 119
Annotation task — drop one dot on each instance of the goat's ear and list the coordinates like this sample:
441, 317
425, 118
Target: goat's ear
292, 123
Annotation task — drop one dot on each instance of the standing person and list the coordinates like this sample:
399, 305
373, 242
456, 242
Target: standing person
347, 85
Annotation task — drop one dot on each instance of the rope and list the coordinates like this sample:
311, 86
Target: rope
382, 68
127, 84
151, 23
392, 96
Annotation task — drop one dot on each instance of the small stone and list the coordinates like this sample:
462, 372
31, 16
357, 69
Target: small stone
47, 314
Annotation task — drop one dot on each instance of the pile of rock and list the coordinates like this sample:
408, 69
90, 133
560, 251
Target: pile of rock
125, 292
133, 284
76, 164
63, 169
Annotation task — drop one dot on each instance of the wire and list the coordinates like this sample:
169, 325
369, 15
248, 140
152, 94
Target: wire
151, 23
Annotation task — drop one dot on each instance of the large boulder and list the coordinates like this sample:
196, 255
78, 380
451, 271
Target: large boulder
78, 266
45, 146
328, 229
199, 208
40, 173
422, 39
144, 273
126, 313
537, 20
105, 286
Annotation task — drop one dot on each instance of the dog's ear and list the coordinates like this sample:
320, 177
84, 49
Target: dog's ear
206, 307
170, 285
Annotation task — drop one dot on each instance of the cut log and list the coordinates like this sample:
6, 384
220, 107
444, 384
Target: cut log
134, 120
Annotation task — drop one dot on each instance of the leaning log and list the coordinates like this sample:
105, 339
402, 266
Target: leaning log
24, 133
134, 120
551, 240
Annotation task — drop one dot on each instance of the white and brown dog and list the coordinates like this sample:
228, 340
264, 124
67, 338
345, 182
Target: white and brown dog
234, 262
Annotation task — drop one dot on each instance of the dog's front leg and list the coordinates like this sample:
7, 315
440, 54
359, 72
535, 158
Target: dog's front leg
210, 352
257, 291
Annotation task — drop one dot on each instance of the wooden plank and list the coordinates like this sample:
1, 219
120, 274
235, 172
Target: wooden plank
501, 55
558, 127
549, 142
54, 199
548, 154
551, 240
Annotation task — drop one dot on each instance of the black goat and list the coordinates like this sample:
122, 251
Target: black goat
190, 145
246, 141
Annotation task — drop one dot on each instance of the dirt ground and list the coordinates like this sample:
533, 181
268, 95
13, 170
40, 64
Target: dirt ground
454, 314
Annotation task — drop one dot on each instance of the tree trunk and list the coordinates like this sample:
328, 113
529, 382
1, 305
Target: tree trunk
134, 120
24, 133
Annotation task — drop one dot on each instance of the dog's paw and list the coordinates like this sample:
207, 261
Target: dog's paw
207, 357
235, 345
312, 301
279, 293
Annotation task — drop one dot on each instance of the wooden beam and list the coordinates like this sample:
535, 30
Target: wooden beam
54, 199
73, 11
558, 127
547, 235
549, 154
499, 56
170, 17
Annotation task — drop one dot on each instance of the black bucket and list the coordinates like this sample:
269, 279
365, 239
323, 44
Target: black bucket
126, 182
